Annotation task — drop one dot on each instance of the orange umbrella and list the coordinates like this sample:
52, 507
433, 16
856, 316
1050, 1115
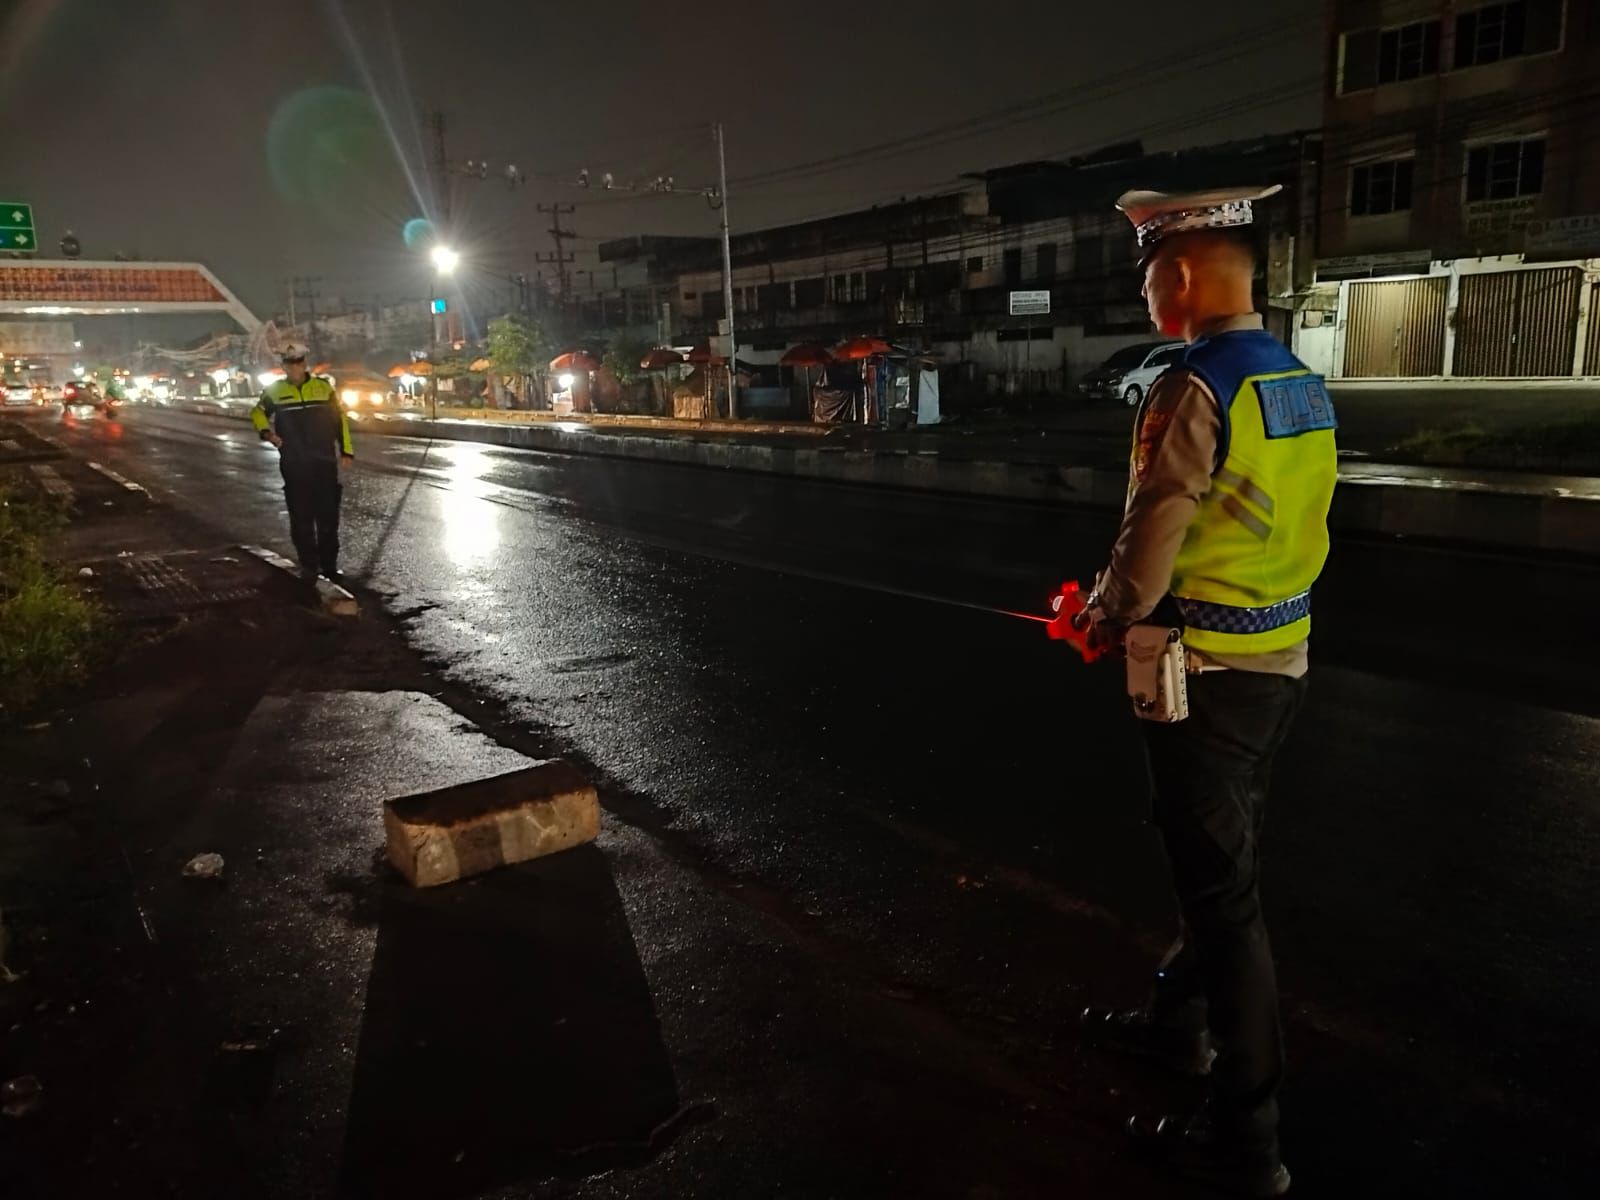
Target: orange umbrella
702, 354
806, 354
659, 359
480, 364
575, 360
408, 368
861, 347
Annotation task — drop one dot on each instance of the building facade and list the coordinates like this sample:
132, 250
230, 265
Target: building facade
1452, 125
940, 273
1463, 191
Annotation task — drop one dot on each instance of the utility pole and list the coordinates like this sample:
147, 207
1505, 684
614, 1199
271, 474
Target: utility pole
558, 235
727, 274
441, 169
304, 287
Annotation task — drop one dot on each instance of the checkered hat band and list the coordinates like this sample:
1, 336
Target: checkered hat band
1220, 216
1227, 618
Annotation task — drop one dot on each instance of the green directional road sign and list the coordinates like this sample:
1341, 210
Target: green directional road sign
16, 228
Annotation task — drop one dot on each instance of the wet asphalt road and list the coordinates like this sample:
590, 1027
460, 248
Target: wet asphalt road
936, 804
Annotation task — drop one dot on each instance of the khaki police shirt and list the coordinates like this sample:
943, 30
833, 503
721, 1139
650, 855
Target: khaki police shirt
1175, 456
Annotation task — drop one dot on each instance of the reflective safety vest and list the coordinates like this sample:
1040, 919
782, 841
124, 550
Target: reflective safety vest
308, 418
1243, 576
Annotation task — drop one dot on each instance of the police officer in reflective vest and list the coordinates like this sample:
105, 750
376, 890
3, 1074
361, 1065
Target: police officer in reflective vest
301, 415
1223, 534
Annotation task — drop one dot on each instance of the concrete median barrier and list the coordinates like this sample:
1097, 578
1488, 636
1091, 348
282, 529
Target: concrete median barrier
455, 832
1496, 510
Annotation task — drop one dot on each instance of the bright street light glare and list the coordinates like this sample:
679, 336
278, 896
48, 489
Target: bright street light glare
565, 382
444, 259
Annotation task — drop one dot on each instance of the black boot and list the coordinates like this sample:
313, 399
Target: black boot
1136, 1032
1196, 1149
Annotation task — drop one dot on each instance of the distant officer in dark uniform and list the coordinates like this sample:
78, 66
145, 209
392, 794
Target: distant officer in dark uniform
1224, 532
301, 415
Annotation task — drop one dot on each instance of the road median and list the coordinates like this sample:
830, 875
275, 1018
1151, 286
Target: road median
1492, 509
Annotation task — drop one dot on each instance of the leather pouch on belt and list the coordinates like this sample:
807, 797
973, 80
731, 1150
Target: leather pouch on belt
1157, 673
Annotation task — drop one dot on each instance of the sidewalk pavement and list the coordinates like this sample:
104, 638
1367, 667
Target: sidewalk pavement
306, 1024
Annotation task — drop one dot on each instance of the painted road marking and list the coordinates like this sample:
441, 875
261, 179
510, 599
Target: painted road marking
115, 478
52, 482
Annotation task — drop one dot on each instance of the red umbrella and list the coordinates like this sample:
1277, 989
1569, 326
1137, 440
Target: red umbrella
806, 354
702, 354
575, 360
659, 359
861, 347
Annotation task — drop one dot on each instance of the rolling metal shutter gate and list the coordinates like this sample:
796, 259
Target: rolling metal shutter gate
1518, 323
1591, 356
1394, 328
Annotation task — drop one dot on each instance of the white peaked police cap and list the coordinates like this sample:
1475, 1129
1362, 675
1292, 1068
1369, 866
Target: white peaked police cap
1158, 215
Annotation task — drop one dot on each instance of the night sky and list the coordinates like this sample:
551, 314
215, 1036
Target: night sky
269, 140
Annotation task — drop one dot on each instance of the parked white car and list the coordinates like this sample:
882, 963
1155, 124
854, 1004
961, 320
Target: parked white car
1128, 374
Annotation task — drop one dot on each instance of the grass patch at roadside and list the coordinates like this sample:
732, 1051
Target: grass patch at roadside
48, 631
1570, 447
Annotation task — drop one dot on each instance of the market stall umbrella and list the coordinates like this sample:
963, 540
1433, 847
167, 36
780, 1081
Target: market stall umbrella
410, 368
575, 360
660, 359
480, 364
861, 347
806, 354
703, 354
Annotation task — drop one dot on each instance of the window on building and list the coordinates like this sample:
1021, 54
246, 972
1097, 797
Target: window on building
809, 293
841, 289
1378, 56
1381, 187
1505, 170
1089, 255
1044, 261
858, 286
975, 264
941, 277
1487, 35
1011, 263
1409, 52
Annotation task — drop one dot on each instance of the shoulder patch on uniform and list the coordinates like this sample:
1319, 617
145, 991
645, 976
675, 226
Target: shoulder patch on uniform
1299, 404
1151, 426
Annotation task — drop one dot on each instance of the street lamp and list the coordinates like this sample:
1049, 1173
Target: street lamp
444, 261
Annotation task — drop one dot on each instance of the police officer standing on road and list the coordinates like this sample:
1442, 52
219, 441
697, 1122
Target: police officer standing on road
301, 415
1224, 532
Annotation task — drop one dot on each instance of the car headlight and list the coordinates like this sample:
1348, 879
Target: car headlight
351, 397
376, 397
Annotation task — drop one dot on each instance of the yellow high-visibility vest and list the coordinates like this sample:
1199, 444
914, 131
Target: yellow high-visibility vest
1243, 576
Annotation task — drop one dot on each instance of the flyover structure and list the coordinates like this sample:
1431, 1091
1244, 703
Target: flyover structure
70, 287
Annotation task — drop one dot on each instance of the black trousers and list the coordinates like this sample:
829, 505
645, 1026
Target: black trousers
311, 489
1209, 775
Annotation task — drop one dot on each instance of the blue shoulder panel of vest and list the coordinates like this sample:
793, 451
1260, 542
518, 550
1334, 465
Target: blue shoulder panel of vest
1225, 361
1299, 404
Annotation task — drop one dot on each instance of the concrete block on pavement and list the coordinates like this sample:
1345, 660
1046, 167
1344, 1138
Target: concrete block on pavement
337, 600
439, 837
